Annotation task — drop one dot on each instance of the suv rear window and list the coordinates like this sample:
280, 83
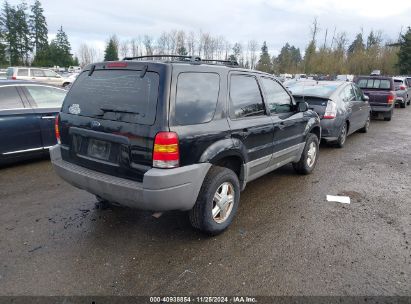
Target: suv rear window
384, 84
197, 95
120, 95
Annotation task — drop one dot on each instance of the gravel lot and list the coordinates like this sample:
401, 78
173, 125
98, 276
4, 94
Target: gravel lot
286, 239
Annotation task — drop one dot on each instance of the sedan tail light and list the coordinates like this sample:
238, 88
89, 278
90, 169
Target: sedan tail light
330, 110
57, 129
166, 151
403, 88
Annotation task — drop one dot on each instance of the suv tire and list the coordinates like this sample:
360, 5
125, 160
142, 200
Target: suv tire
309, 157
220, 185
403, 104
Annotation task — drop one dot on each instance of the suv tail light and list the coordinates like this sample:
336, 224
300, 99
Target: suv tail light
330, 110
391, 98
56, 129
166, 151
403, 88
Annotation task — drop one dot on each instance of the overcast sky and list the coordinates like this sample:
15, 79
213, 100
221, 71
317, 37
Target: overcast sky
276, 21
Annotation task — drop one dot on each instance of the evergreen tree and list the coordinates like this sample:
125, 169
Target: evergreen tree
14, 24
357, 44
23, 33
404, 54
3, 58
111, 52
264, 63
182, 51
38, 27
8, 26
309, 57
288, 60
59, 50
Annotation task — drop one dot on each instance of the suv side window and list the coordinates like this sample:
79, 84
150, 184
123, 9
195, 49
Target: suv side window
196, 98
23, 72
10, 99
278, 99
245, 97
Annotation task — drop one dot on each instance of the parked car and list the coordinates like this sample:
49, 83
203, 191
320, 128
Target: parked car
74, 69
403, 91
3, 74
346, 77
376, 73
27, 115
47, 76
381, 93
180, 135
342, 107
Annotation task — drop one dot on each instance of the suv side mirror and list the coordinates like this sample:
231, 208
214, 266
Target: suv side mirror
366, 98
302, 107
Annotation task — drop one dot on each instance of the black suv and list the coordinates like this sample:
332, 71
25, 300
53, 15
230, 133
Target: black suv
180, 133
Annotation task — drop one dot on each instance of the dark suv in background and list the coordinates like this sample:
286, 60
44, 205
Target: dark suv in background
180, 133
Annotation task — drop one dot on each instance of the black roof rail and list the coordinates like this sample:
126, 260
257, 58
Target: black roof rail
189, 59
225, 62
180, 57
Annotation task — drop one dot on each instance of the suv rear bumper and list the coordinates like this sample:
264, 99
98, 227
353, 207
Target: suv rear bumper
161, 189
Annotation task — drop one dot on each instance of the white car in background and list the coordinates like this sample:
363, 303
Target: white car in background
346, 77
37, 74
74, 69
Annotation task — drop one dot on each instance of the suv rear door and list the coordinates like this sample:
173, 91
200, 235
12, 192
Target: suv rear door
249, 121
111, 115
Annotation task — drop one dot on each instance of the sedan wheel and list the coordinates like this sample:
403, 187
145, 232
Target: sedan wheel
339, 143
366, 126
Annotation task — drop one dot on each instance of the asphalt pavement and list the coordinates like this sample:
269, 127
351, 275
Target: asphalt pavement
286, 238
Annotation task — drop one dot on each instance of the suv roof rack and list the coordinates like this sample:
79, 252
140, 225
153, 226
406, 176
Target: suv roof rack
188, 59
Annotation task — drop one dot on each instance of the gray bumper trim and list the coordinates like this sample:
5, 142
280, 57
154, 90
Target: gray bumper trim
161, 189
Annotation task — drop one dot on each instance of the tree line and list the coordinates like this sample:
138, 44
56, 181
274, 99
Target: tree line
334, 55
24, 41
24, 38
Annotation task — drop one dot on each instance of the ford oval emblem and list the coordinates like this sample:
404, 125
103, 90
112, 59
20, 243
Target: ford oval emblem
74, 109
95, 124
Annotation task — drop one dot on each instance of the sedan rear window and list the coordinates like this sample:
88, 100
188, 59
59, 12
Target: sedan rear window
374, 84
120, 95
316, 90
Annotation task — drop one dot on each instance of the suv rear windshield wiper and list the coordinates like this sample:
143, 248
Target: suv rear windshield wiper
119, 111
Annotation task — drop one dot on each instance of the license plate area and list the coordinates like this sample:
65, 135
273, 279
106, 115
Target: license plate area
98, 149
